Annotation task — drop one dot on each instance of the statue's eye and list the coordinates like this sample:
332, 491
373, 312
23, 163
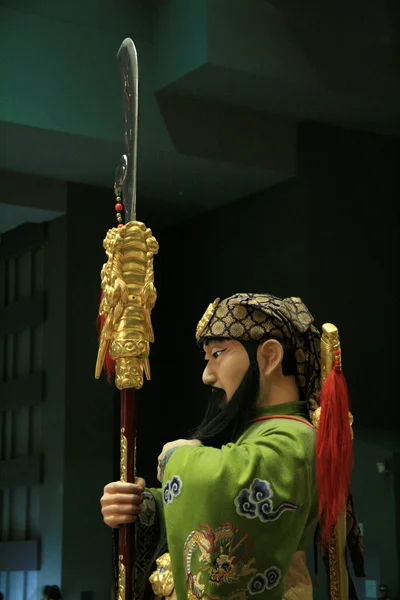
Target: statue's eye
162, 570
225, 566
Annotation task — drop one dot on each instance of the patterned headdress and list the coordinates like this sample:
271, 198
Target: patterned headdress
257, 317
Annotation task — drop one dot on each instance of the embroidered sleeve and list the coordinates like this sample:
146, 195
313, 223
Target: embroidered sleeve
147, 538
235, 516
148, 514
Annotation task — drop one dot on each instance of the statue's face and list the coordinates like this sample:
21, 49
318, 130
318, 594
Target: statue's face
227, 364
161, 580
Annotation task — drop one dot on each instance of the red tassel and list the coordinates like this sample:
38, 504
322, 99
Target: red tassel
109, 363
334, 451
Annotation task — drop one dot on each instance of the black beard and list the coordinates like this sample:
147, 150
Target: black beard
224, 423
217, 398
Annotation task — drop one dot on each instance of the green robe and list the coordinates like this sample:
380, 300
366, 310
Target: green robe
235, 516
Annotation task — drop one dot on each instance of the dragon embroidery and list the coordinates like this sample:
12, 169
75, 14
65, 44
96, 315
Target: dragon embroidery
223, 553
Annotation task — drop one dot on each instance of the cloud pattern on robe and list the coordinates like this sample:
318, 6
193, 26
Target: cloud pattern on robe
256, 503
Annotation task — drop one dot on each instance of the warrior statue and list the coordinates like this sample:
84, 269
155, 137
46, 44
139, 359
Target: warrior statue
268, 469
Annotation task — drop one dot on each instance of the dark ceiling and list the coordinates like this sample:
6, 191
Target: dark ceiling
223, 85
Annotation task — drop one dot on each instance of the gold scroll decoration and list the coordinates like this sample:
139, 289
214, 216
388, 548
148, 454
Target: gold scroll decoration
329, 343
129, 295
124, 456
121, 578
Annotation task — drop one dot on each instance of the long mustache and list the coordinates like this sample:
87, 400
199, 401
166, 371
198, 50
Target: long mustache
224, 422
217, 396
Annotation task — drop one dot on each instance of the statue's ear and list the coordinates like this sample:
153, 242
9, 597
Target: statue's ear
270, 355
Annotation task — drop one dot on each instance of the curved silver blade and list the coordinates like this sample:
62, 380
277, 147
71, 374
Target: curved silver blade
125, 176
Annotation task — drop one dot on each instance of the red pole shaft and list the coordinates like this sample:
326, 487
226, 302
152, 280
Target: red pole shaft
128, 474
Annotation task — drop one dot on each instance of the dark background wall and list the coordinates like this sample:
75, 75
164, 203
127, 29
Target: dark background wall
330, 235
354, 216
88, 403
